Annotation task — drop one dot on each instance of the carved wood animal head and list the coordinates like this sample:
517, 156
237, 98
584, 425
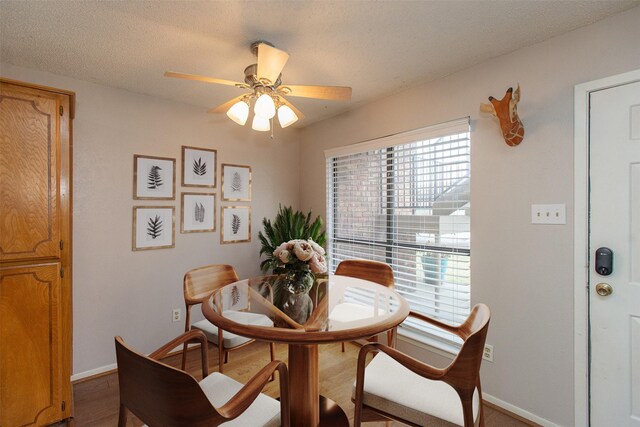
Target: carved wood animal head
506, 111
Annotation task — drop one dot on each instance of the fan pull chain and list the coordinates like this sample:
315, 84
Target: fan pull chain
271, 120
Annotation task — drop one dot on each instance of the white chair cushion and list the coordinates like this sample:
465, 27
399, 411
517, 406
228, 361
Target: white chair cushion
350, 312
230, 340
263, 412
394, 389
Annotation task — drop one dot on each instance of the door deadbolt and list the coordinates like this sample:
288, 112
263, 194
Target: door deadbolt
604, 261
604, 289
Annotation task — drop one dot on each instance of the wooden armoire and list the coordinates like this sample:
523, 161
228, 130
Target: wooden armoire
35, 254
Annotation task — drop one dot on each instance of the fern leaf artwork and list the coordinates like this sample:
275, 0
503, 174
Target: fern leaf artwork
154, 227
235, 295
154, 179
235, 224
198, 212
236, 183
199, 167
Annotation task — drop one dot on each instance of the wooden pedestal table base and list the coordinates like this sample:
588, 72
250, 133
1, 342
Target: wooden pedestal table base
308, 408
386, 310
331, 414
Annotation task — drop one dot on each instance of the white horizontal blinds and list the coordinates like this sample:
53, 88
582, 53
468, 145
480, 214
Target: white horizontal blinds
408, 205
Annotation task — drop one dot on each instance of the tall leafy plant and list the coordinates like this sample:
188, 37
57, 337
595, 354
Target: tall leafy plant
287, 225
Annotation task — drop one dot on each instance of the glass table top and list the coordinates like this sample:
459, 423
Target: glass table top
336, 308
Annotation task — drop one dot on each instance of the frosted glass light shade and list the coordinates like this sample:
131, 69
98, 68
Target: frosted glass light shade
286, 116
239, 112
260, 124
265, 107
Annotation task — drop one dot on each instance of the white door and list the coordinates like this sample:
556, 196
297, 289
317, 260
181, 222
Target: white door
614, 150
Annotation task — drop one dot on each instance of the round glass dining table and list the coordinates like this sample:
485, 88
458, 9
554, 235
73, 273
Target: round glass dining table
337, 308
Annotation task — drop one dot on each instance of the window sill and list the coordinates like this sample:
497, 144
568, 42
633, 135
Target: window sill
427, 343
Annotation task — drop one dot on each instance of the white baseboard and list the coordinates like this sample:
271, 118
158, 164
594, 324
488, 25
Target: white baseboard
93, 372
113, 366
518, 411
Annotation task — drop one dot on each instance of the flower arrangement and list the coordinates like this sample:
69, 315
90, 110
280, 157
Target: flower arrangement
301, 255
287, 226
299, 261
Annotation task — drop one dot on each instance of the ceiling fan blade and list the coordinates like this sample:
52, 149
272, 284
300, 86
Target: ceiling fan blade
340, 93
295, 110
222, 108
270, 62
202, 78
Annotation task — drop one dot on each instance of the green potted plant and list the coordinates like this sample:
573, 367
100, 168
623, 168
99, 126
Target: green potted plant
287, 226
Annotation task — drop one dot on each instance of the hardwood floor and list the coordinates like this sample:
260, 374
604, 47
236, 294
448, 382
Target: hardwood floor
96, 400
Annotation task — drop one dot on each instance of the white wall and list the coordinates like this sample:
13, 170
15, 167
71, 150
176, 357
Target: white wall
524, 272
120, 292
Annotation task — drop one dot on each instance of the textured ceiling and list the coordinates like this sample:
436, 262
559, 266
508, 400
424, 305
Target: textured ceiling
376, 47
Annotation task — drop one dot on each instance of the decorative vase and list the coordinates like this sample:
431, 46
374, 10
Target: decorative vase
292, 294
299, 281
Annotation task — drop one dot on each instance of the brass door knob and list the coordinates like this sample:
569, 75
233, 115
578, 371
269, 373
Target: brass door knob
604, 289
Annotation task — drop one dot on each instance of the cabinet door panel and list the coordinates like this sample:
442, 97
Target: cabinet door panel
31, 336
29, 168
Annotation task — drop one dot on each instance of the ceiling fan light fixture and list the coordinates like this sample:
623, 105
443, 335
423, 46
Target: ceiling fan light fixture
265, 107
239, 112
260, 124
286, 116
266, 95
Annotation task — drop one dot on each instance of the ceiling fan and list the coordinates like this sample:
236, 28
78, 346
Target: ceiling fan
266, 91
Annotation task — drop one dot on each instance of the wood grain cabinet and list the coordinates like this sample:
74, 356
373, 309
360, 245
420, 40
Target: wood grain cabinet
35, 254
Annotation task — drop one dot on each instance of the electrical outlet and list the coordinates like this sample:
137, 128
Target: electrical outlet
177, 314
488, 353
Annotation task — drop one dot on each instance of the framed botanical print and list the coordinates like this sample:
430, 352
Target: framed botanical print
153, 227
198, 167
236, 183
236, 224
198, 212
154, 178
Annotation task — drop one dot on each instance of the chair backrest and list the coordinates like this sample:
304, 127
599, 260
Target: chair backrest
373, 271
161, 395
464, 371
201, 282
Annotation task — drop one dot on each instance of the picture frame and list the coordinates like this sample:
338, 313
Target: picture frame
150, 227
236, 183
235, 224
198, 214
199, 167
154, 178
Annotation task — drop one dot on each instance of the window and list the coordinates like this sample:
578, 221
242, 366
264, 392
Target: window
404, 200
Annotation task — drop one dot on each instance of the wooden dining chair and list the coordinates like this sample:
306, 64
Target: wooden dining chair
198, 285
163, 396
373, 271
380, 390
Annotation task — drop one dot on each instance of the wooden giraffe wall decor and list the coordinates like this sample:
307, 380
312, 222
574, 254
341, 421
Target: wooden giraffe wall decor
506, 111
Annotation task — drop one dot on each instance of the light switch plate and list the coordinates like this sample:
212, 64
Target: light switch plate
549, 214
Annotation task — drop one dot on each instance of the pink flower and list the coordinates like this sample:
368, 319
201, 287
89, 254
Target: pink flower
285, 246
303, 250
316, 247
284, 256
318, 264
